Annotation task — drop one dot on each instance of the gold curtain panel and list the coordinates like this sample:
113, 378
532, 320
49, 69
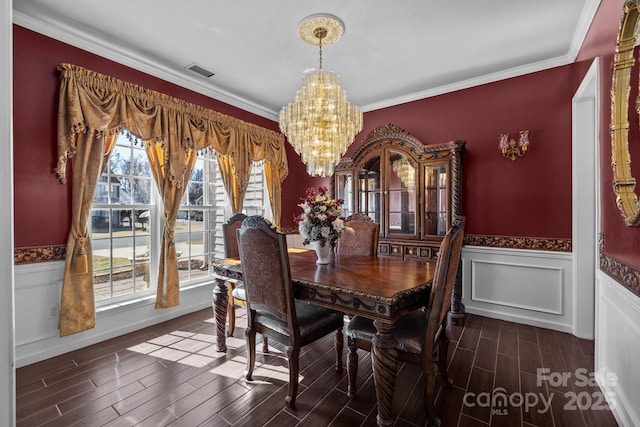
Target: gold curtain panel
93, 108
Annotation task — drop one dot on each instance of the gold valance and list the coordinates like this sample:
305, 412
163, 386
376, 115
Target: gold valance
91, 102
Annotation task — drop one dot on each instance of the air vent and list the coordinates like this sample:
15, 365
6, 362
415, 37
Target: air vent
198, 69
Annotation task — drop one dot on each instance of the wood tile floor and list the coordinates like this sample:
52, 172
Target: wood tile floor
170, 374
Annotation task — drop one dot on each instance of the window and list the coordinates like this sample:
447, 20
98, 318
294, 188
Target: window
125, 223
205, 207
198, 228
256, 198
120, 223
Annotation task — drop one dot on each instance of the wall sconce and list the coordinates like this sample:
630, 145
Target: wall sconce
509, 148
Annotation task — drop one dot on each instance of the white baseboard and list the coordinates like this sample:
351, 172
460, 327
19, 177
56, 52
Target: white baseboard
526, 320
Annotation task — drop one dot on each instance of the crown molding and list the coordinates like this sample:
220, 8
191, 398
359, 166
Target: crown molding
584, 23
586, 18
85, 39
89, 41
466, 84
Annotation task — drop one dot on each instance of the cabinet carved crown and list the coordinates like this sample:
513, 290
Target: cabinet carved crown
411, 189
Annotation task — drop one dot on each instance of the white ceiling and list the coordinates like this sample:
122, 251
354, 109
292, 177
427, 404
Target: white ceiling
391, 52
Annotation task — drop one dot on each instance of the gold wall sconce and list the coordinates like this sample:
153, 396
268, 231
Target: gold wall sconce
510, 149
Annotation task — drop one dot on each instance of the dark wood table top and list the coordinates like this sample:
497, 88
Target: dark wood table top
381, 288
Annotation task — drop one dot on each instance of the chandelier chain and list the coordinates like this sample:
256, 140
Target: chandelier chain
320, 33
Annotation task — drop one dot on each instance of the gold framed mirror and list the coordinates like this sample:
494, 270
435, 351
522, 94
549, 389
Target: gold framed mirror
623, 182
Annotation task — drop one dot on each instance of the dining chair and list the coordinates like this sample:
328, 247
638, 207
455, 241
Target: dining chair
364, 239
272, 309
235, 289
421, 335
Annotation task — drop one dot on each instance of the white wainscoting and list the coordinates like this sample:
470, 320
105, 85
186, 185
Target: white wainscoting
37, 298
617, 348
524, 286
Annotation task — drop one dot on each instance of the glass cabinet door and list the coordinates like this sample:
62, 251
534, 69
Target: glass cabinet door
344, 191
401, 196
436, 196
370, 189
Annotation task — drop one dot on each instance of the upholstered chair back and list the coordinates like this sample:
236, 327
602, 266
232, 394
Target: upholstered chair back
457, 239
266, 271
271, 307
364, 239
444, 281
230, 237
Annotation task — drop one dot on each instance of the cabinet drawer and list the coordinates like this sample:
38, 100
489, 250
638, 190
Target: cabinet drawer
384, 249
396, 250
426, 252
412, 251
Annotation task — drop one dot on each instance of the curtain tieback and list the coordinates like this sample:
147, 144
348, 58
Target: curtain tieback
81, 260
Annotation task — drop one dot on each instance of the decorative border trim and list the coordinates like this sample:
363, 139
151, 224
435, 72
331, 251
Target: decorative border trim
626, 275
518, 242
36, 254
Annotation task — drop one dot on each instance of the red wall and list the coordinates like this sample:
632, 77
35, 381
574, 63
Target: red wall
42, 205
530, 196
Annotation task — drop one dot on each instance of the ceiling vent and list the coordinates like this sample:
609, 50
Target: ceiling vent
198, 69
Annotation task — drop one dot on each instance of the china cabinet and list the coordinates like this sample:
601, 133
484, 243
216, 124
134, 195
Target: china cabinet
410, 189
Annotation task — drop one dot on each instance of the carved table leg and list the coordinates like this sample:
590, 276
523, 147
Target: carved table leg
220, 303
384, 359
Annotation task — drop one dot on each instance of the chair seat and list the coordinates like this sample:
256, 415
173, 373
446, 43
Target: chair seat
311, 319
239, 292
408, 330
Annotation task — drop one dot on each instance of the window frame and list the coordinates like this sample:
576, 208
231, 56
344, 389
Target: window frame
214, 213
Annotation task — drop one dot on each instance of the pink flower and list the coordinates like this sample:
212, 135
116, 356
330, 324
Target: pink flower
321, 217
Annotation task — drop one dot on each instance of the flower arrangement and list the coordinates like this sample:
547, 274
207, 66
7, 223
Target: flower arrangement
321, 219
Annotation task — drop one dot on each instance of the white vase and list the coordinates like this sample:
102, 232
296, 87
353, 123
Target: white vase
322, 252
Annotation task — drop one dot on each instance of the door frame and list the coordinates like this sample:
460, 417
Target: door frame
585, 200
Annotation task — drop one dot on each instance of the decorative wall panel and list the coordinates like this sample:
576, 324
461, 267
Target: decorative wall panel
617, 348
524, 286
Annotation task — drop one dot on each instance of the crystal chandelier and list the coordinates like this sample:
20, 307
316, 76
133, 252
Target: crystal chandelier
320, 124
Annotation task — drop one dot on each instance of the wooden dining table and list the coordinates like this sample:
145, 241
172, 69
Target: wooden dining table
378, 288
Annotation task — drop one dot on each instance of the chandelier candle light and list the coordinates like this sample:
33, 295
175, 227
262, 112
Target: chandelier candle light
320, 123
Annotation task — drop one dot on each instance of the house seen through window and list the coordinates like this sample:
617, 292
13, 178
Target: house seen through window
126, 223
